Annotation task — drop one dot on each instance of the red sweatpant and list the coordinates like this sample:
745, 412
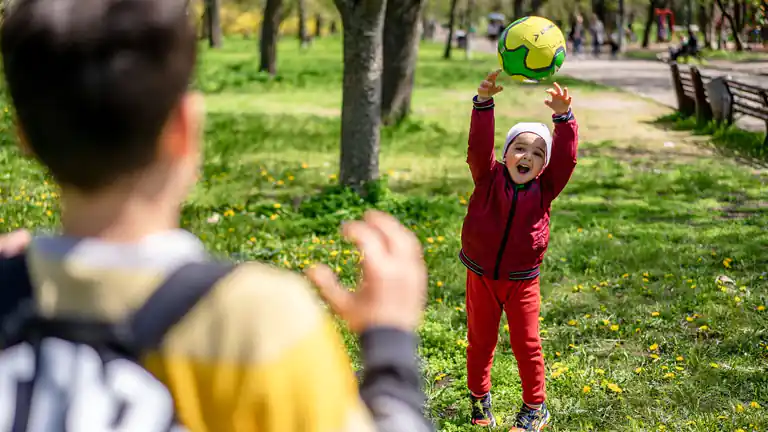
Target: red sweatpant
486, 299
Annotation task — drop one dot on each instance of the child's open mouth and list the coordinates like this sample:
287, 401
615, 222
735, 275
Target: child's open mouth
523, 169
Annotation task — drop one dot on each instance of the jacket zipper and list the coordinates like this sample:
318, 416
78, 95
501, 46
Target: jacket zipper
505, 238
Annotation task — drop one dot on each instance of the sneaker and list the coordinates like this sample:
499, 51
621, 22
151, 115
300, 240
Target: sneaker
529, 419
481, 410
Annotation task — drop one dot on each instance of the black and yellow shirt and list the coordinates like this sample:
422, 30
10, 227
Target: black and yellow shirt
258, 353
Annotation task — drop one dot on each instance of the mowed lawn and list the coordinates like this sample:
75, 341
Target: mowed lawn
654, 287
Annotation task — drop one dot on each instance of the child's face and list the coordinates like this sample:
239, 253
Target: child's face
525, 157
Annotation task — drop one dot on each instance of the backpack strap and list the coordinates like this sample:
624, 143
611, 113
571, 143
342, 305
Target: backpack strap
16, 301
15, 285
142, 331
146, 328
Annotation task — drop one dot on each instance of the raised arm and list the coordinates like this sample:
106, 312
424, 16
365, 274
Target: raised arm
563, 160
480, 154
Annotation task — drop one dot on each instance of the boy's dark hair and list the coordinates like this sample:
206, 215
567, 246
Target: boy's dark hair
94, 81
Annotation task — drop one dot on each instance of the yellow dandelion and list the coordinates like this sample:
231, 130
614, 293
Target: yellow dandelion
587, 316
625, 275
430, 240
679, 358
739, 408
639, 370
586, 389
653, 347
614, 388
655, 356
610, 236
761, 308
599, 371
754, 405
655, 314
506, 328
669, 375
440, 238
572, 322
332, 176
439, 284
704, 328
273, 217
714, 365
304, 165
689, 319
580, 230
615, 327
646, 274
439, 300
606, 322
291, 178
277, 205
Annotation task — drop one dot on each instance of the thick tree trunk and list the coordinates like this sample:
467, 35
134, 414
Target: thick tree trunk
269, 29
213, 22
622, 25
318, 25
451, 25
517, 9
401, 49
732, 23
649, 20
363, 23
536, 6
303, 34
470, 16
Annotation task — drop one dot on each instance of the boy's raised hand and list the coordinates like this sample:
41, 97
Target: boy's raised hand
561, 101
393, 289
488, 87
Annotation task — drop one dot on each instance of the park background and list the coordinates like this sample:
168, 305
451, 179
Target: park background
654, 286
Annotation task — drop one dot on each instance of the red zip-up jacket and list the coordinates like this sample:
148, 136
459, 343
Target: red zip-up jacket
506, 230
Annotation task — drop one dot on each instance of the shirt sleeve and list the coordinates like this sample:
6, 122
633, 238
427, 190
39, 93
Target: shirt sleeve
564, 153
391, 385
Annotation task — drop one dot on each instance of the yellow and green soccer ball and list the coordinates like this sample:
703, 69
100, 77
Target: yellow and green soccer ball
531, 49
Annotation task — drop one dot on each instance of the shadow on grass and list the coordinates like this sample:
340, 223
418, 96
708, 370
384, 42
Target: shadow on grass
747, 147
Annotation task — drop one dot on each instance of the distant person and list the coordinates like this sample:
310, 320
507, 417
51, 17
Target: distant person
123, 321
598, 35
577, 34
688, 48
504, 239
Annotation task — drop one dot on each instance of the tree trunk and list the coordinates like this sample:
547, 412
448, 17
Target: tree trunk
401, 49
517, 9
318, 25
649, 20
269, 29
451, 25
303, 34
333, 29
468, 28
704, 25
363, 23
204, 30
536, 6
622, 24
213, 22
732, 23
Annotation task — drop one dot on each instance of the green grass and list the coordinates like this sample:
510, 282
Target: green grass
727, 139
631, 310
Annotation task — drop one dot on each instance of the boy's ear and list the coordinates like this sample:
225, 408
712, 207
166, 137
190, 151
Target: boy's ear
183, 131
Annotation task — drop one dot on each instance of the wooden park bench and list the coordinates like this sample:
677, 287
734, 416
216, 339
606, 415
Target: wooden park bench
718, 98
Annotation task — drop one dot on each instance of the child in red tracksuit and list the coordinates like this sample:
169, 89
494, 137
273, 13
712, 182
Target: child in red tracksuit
504, 238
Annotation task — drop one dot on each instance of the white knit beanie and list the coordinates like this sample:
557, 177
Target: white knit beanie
539, 129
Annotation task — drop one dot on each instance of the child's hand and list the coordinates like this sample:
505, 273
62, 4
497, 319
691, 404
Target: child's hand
561, 101
488, 88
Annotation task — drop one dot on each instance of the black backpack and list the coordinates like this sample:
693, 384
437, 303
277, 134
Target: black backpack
75, 375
